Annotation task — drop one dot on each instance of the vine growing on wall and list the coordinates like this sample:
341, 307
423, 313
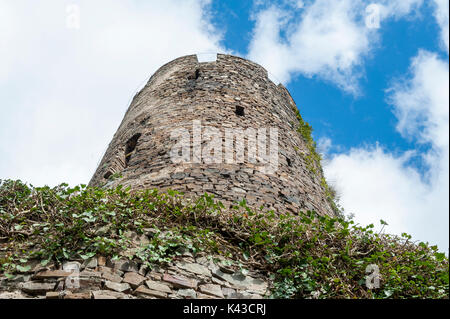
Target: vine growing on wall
313, 161
305, 255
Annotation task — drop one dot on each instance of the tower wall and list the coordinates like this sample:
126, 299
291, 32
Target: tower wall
230, 92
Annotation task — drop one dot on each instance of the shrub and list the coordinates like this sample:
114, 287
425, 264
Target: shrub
305, 255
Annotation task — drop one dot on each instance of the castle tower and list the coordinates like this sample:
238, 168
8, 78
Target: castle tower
192, 102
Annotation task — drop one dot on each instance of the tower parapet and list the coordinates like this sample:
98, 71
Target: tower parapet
178, 131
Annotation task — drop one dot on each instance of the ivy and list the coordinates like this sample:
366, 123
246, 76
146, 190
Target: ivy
313, 161
306, 255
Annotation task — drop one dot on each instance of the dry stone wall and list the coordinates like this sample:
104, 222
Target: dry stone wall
101, 278
185, 276
230, 92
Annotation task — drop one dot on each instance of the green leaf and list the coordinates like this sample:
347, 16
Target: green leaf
45, 262
23, 268
383, 222
439, 256
65, 253
88, 255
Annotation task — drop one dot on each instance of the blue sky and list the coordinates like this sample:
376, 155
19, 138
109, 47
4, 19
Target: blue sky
370, 115
376, 96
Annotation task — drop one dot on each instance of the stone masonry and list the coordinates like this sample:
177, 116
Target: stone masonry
230, 92
102, 278
185, 277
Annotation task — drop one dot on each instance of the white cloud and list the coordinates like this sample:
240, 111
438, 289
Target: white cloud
306, 48
329, 39
64, 91
421, 103
441, 14
397, 8
375, 184
324, 145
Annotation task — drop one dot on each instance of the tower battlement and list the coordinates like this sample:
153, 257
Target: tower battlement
201, 98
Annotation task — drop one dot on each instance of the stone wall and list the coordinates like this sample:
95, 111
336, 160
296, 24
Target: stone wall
101, 278
230, 92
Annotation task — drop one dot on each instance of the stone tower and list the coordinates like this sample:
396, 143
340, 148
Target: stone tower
228, 94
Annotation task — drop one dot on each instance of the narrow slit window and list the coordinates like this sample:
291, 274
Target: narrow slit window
289, 162
194, 76
239, 110
130, 147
